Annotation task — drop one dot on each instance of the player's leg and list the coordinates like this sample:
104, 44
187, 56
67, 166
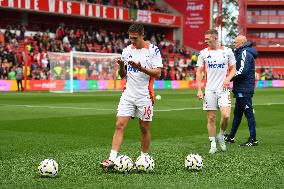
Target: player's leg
210, 105
145, 136
121, 123
248, 110
145, 113
224, 103
238, 114
225, 118
125, 110
211, 126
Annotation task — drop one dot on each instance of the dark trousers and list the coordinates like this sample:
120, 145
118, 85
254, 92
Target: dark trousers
19, 82
243, 105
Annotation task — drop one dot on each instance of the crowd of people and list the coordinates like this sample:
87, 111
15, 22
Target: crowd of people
179, 61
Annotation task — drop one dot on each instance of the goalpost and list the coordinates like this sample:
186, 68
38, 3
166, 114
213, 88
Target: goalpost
82, 71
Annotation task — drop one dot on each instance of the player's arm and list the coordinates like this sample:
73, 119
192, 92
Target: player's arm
122, 68
199, 82
199, 69
232, 69
231, 74
153, 72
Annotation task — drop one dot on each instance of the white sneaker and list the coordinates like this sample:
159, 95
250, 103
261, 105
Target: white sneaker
222, 143
212, 150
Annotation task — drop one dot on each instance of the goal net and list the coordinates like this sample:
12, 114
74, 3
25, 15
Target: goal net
82, 71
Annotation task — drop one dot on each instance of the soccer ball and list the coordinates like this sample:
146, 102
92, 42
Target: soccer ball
158, 97
145, 163
48, 168
193, 162
123, 164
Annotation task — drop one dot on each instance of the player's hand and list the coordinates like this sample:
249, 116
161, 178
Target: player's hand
226, 84
119, 62
136, 65
200, 95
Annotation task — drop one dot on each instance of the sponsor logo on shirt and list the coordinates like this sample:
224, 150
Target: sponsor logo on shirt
132, 69
215, 65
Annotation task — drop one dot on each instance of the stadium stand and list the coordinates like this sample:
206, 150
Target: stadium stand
179, 61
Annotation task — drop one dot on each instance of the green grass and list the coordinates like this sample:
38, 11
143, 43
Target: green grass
76, 130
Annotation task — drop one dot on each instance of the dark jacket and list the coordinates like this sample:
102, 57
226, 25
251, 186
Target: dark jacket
243, 81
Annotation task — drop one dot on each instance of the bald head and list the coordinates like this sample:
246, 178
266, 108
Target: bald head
240, 41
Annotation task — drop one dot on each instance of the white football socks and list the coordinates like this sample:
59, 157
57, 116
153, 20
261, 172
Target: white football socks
222, 132
212, 141
112, 155
143, 154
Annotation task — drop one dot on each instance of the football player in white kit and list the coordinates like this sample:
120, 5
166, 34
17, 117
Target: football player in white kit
216, 60
140, 63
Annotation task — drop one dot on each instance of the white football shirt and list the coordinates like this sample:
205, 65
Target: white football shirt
138, 84
216, 63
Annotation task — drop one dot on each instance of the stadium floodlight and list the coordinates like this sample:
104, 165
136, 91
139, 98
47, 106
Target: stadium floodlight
82, 71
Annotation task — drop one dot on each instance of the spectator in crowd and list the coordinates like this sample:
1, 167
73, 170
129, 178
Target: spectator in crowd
12, 73
22, 32
1, 72
19, 77
2, 39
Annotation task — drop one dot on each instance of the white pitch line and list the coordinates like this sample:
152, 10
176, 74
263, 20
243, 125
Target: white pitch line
104, 109
197, 108
55, 107
178, 109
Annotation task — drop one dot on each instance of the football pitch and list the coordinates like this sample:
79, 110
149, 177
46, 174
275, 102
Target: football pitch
76, 130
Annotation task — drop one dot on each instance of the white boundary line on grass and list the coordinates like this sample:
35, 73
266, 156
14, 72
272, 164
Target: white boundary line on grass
104, 109
55, 107
198, 108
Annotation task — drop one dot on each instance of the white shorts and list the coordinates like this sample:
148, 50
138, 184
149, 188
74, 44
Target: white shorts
143, 109
214, 100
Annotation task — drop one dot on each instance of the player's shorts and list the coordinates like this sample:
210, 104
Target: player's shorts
143, 109
214, 100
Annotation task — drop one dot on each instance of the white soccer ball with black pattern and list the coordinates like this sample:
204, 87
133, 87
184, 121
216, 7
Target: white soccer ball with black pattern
123, 164
145, 164
193, 162
48, 168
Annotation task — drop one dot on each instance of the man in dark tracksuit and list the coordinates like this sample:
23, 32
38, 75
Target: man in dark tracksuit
243, 89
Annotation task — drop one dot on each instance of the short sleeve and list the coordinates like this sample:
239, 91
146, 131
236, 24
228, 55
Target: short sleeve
156, 57
200, 60
232, 59
124, 55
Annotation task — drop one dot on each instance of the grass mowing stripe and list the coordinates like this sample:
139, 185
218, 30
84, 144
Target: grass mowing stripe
102, 109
